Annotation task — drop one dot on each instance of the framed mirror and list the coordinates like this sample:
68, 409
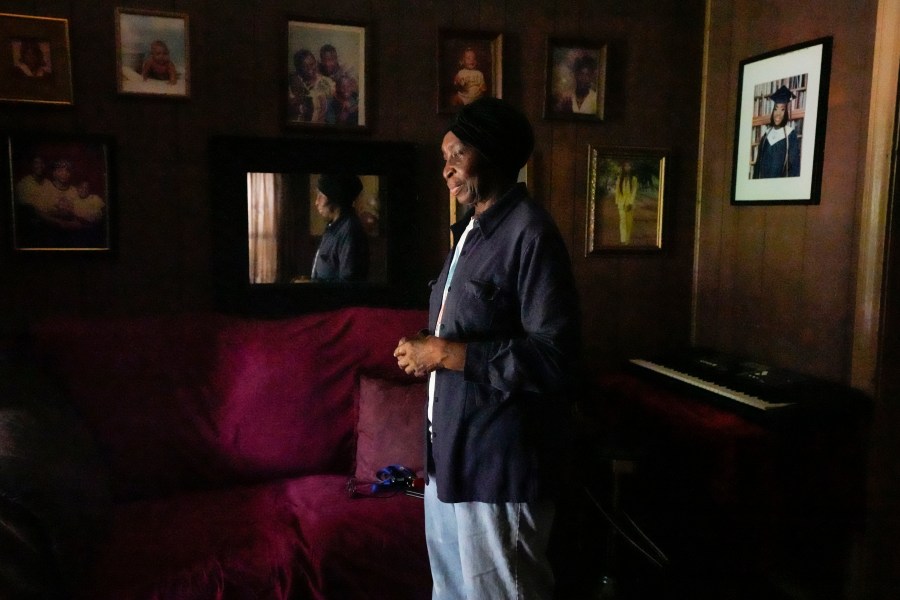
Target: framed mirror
286, 210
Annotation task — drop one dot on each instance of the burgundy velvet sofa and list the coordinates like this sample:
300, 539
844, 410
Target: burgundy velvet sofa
229, 443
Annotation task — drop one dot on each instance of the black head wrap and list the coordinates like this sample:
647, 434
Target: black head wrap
498, 130
340, 189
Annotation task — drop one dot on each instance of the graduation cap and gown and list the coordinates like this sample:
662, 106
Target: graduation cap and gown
778, 153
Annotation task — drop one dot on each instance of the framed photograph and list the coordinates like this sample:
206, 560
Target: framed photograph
326, 75
780, 125
153, 53
576, 80
626, 188
470, 65
60, 192
35, 62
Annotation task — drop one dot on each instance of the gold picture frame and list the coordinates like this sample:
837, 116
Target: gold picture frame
625, 193
36, 64
140, 36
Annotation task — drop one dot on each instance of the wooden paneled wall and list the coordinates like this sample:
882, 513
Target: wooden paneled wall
633, 303
778, 282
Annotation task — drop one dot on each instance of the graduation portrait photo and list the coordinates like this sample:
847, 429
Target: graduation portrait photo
780, 125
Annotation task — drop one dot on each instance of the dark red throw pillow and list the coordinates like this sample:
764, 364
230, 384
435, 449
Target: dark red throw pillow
391, 428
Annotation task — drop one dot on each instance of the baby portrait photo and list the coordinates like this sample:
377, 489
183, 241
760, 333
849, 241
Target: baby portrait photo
469, 67
152, 53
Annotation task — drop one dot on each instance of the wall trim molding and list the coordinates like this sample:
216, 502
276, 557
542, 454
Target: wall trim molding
875, 199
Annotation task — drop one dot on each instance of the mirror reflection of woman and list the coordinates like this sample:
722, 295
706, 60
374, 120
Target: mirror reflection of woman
779, 148
343, 253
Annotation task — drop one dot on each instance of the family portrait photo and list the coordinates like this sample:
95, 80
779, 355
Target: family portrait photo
326, 75
60, 193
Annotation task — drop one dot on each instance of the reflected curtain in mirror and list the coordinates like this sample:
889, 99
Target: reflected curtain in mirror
278, 251
263, 189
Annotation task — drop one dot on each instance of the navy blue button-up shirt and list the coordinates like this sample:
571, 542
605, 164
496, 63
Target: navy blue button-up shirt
343, 253
502, 424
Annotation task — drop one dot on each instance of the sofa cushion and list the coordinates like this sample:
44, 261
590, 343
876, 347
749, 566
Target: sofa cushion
195, 401
391, 425
359, 548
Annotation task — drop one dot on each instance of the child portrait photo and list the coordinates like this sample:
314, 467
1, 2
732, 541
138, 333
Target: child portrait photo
152, 53
469, 67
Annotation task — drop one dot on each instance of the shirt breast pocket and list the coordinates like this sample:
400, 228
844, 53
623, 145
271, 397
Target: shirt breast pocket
485, 300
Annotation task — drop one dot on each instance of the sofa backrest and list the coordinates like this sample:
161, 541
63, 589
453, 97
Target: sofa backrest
204, 400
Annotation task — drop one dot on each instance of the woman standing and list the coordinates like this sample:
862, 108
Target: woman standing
779, 149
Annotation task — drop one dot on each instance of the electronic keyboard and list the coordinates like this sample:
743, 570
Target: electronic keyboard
753, 400
739, 382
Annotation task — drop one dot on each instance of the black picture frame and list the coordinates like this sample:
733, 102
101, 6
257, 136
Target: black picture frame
61, 192
778, 163
232, 161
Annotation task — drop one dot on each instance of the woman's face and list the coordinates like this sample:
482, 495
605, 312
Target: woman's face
461, 169
778, 114
324, 207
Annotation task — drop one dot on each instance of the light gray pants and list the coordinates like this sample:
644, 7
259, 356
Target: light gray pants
482, 551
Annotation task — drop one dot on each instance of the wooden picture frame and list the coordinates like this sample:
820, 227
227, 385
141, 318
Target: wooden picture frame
36, 64
327, 67
60, 192
575, 80
470, 65
625, 213
775, 161
153, 53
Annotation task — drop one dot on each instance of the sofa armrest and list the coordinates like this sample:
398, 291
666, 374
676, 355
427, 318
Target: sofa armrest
54, 495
